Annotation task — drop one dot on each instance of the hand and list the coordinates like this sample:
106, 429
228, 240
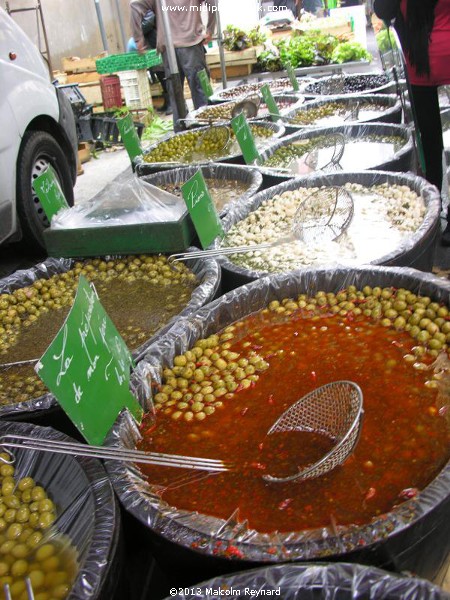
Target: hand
141, 47
207, 38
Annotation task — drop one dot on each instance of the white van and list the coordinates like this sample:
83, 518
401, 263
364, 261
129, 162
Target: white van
37, 127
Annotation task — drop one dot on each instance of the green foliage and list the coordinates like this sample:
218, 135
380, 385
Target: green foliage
235, 39
350, 51
257, 37
384, 40
156, 128
268, 60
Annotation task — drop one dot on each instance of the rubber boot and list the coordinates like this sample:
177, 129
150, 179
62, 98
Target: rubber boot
166, 107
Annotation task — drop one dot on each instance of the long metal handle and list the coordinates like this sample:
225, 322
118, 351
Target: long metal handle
220, 251
121, 454
28, 589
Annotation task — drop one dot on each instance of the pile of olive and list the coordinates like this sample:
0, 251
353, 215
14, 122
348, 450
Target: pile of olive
217, 112
351, 84
249, 88
283, 155
308, 116
426, 321
27, 325
198, 144
202, 378
23, 306
28, 546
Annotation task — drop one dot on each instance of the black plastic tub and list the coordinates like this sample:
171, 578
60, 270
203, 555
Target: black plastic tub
414, 536
251, 177
416, 251
87, 510
45, 410
277, 131
339, 581
399, 160
391, 111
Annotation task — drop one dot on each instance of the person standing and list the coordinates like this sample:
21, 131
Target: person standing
188, 37
142, 42
423, 27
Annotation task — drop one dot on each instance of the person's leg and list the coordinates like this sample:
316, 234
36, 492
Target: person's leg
426, 104
162, 80
191, 60
176, 125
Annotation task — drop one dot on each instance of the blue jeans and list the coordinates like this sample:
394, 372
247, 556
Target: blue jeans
190, 60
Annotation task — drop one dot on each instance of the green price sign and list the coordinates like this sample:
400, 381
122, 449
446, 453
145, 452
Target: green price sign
49, 192
129, 136
87, 367
205, 83
292, 77
202, 210
270, 102
245, 139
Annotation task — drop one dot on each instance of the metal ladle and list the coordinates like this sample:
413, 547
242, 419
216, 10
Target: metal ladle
323, 216
334, 410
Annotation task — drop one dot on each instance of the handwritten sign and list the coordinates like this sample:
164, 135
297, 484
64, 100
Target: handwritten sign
87, 367
270, 102
129, 136
202, 210
292, 77
205, 83
245, 138
49, 192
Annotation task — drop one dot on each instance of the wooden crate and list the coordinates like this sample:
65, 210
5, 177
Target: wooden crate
87, 77
248, 55
75, 64
238, 70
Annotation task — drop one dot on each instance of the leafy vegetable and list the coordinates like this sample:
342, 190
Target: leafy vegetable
156, 128
348, 51
256, 36
235, 39
269, 60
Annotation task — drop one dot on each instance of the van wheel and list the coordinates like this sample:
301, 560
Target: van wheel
38, 150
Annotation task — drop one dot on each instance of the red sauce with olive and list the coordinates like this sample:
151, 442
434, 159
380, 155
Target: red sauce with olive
404, 441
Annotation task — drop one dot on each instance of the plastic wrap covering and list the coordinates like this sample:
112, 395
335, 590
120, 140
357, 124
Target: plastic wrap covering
354, 84
277, 129
417, 250
86, 508
414, 536
204, 114
250, 177
207, 272
132, 202
445, 119
340, 581
351, 109
397, 160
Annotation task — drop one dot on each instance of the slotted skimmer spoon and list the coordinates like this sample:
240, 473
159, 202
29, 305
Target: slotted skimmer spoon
322, 216
248, 105
334, 410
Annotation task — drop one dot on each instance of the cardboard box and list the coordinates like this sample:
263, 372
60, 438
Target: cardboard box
92, 92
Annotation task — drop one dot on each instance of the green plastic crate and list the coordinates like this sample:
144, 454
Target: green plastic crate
131, 61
